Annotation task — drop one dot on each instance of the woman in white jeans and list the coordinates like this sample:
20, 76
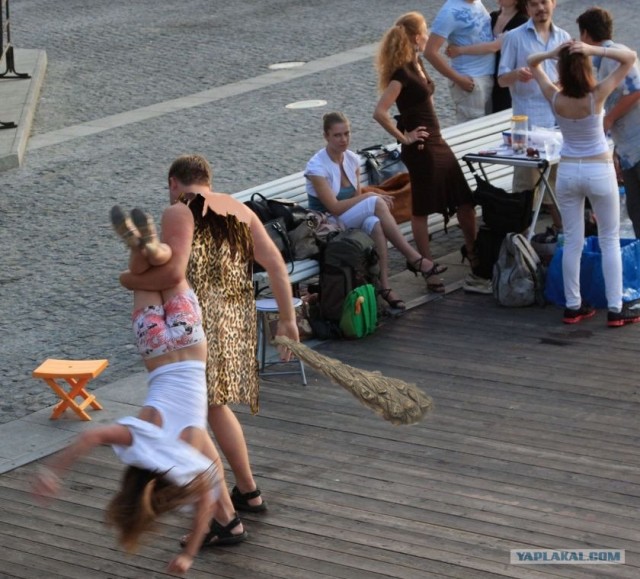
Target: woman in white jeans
586, 170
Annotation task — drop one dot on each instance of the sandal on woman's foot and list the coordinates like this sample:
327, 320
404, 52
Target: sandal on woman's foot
436, 286
241, 501
219, 535
124, 228
147, 229
436, 269
396, 304
416, 268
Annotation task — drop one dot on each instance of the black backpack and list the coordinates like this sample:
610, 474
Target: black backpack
349, 260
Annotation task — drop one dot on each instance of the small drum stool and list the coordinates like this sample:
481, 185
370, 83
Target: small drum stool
270, 306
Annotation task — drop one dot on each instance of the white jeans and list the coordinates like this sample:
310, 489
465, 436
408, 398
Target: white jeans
596, 180
360, 216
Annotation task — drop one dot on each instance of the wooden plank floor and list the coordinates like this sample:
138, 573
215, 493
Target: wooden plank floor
533, 444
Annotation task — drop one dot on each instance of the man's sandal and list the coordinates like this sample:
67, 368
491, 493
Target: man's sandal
219, 535
124, 228
241, 501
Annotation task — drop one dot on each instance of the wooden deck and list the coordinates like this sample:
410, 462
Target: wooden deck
534, 443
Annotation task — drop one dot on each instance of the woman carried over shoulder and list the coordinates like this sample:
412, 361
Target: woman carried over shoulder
171, 459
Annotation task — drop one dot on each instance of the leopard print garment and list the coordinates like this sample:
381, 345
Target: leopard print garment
219, 271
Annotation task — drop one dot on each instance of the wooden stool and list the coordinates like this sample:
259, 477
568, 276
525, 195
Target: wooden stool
77, 373
270, 306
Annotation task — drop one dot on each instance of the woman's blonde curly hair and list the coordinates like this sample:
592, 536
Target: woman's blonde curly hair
397, 47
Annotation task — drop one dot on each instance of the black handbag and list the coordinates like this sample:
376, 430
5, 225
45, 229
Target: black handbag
503, 212
278, 233
382, 163
270, 209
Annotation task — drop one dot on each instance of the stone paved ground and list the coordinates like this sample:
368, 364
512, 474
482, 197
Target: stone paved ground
58, 258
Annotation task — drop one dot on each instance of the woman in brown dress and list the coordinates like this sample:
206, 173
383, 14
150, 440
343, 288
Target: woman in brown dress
437, 182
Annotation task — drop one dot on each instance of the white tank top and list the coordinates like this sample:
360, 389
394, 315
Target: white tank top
582, 137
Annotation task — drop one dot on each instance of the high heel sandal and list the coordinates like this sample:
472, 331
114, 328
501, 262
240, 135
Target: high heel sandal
472, 258
393, 304
124, 228
416, 268
436, 286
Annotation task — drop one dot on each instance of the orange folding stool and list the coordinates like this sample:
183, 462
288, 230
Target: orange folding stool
77, 374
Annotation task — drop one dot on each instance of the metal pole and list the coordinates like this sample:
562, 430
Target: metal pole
8, 50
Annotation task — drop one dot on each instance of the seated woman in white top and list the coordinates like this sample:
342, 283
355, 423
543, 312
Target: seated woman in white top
333, 186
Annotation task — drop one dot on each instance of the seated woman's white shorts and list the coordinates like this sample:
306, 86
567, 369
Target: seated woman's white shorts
361, 215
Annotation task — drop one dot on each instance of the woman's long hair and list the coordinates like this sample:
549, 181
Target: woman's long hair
145, 495
575, 74
397, 47
521, 6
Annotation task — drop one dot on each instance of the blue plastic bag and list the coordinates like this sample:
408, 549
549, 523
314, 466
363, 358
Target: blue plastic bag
591, 278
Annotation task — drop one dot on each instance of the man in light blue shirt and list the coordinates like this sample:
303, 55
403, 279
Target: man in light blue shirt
464, 22
622, 118
538, 34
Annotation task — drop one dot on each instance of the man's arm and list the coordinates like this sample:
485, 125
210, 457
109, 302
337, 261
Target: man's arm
508, 71
267, 255
620, 109
177, 232
439, 62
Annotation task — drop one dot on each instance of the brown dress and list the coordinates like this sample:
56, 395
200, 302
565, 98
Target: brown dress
220, 272
437, 182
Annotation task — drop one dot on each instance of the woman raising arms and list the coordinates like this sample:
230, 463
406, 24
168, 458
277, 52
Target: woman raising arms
437, 182
586, 169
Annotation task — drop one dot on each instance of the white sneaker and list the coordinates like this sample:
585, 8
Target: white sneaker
477, 285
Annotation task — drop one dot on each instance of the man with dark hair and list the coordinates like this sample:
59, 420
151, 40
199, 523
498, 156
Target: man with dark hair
622, 108
538, 34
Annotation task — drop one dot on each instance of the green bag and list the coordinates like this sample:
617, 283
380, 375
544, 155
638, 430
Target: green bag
359, 312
